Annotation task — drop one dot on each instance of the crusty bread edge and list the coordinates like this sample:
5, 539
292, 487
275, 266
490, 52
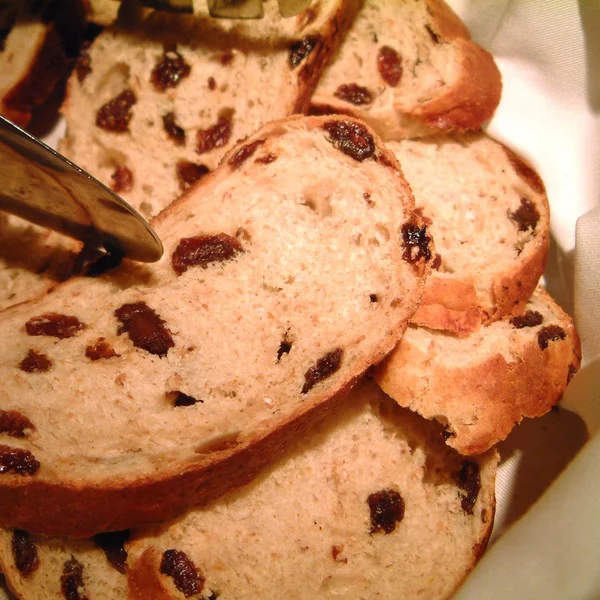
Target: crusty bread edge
453, 303
506, 392
49, 65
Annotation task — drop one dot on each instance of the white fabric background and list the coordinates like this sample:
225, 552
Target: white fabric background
549, 54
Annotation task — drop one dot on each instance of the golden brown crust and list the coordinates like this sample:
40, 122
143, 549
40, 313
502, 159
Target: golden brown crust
38, 507
483, 401
448, 23
143, 577
49, 66
472, 100
330, 39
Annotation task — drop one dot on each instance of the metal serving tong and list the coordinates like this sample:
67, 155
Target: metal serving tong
42, 186
230, 9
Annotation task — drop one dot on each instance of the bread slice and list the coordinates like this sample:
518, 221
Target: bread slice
169, 383
32, 260
409, 69
32, 61
490, 221
308, 526
38, 568
192, 86
481, 386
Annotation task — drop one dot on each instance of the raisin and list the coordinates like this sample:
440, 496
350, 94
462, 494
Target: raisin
433, 35
181, 399
35, 362
113, 545
216, 136
266, 159
212, 84
174, 131
100, 349
54, 325
373, 298
351, 138
24, 552
416, 243
169, 71
335, 554
354, 93
116, 113
300, 50
189, 172
389, 64
387, 510
14, 424
244, 153
550, 333
71, 581
226, 59
284, 348
83, 66
18, 461
324, 368
526, 216
202, 250
122, 179
145, 328
469, 484
186, 577
531, 318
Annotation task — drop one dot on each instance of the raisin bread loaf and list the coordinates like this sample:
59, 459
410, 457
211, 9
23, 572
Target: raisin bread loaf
481, 386
398, 514
409, 68
156, 102
287, 272
490, 220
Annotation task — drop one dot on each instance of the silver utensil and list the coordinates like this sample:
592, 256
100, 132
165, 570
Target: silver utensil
42, 186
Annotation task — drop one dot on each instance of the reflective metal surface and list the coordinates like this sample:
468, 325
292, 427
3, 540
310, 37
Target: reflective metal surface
42, 186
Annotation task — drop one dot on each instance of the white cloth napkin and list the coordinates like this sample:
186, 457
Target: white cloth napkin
549, 54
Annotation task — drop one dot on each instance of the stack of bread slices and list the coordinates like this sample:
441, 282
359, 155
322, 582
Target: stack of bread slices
302, 398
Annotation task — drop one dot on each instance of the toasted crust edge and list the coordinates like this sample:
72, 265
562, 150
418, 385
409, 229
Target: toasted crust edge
499, 394
453, 304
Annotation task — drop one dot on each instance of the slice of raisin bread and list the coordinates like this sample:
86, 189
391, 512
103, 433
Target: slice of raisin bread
156, 102
54, 569
490, 220
481, 386
370, 504
287, 272
409, 68
32, 260
32, 61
